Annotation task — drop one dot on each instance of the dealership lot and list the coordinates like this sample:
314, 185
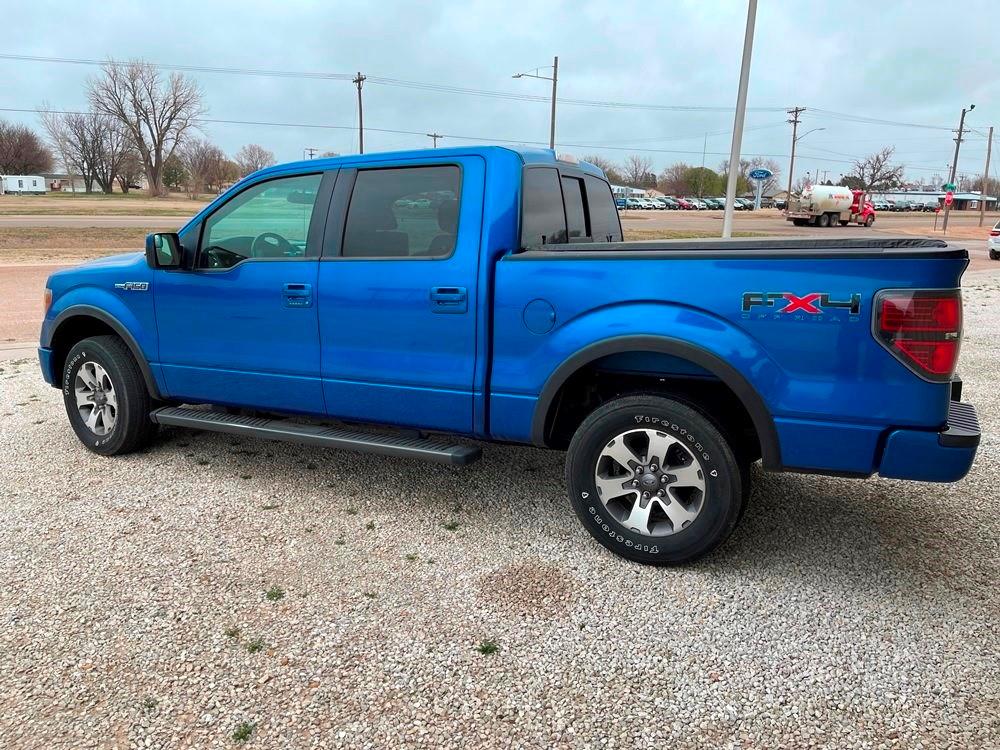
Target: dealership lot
136, 600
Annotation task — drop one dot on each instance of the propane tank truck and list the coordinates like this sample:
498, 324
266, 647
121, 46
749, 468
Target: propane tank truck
828, 205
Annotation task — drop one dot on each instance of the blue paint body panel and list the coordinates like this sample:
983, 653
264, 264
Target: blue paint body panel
366, 342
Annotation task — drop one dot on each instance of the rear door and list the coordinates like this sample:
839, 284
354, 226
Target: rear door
397, 293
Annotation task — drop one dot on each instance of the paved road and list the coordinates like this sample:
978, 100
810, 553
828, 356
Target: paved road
14, 220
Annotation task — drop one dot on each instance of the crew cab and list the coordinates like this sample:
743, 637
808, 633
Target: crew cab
418, 304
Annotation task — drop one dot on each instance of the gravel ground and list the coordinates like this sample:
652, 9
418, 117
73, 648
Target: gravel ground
136, 609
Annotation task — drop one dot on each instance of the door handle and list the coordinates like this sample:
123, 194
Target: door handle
297, 295
449, 299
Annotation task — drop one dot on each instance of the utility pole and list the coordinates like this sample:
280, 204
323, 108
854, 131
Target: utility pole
434, 137
555, 80
794, 112
986, 175
954, 162
359, 80
741, 113
310, 152
552, 119
704, 149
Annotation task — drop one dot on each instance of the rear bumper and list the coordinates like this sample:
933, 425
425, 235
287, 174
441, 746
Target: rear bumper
944, 456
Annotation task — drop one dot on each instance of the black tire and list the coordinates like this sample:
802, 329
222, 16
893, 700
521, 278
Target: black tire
799, 222
721, 502
844, 223
869, 221
994, 255
823, 220
132, 428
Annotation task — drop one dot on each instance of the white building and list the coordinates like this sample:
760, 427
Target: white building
23, 183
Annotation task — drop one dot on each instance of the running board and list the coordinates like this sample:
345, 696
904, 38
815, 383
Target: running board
322, 435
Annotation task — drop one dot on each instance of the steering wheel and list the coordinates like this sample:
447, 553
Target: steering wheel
271, 245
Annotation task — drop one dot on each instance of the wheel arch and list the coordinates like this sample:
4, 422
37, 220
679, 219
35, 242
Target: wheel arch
729, 376
78, 322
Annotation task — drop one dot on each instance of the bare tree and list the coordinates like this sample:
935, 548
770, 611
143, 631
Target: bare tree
130, 171
611, 170
637, 171
673, 179
22, 151
252, 157
877, 172
205, 164
156, 114
91, 145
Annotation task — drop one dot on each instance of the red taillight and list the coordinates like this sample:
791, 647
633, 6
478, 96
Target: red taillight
922, 328
995, 233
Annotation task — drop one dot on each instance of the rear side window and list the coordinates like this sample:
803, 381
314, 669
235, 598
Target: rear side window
403, 212
558, 209
576, 214
543, 218
604, 223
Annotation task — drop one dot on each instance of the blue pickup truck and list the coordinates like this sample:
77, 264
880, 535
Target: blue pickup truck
390, 303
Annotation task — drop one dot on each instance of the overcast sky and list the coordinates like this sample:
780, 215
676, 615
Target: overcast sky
917, 62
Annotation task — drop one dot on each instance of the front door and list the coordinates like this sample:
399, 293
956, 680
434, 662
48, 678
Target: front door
240, 328
398, 284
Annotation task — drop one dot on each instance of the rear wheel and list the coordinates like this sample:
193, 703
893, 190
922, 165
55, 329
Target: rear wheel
653, 480
824, 220
994, 254
106, 397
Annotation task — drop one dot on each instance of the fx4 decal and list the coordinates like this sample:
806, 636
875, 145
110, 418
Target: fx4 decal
132, 286
814, 303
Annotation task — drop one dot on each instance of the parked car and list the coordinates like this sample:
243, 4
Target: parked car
747, 204
993, 242
685, 204
658, 204
697, 203
780, 203
620, 204
664, 369
714, 203
634, 204
670, 203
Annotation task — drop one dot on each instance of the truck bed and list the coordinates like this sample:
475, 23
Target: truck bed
716, 247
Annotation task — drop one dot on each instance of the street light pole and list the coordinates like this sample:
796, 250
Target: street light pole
741, 111
555, 80
954, 163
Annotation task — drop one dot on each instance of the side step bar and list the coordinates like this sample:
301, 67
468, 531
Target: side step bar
328, 437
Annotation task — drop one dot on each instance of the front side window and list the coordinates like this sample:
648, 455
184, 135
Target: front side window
404, 212
268, 220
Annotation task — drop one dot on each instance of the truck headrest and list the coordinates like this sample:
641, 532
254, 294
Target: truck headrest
448, 215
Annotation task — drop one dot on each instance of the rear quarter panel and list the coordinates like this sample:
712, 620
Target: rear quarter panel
831, 387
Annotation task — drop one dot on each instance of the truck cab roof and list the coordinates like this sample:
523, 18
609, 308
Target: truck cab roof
529, 155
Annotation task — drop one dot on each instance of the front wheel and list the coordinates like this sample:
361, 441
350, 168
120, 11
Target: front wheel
653, 480
105, 396
869, 221
994, 255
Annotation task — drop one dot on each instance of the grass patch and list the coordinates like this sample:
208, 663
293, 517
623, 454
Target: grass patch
370, 595
274, 506
149, 703
450, 525
243, 732
487, 647
232, 632
275, 593
412, 556
257, 644
370, 525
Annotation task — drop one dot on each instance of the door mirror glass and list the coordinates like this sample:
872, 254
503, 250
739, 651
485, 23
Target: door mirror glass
163, 250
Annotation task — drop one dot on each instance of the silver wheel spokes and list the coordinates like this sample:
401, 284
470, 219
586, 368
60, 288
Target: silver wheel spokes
650, 482
96, 399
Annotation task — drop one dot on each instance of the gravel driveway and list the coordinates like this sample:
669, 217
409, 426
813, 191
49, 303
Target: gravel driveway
213, 590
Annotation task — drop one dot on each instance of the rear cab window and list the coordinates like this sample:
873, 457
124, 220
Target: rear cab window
562, 206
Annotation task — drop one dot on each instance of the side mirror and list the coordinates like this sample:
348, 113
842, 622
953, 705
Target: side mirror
163, 250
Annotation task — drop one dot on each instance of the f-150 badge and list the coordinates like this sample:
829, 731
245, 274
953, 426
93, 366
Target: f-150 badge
132, 286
